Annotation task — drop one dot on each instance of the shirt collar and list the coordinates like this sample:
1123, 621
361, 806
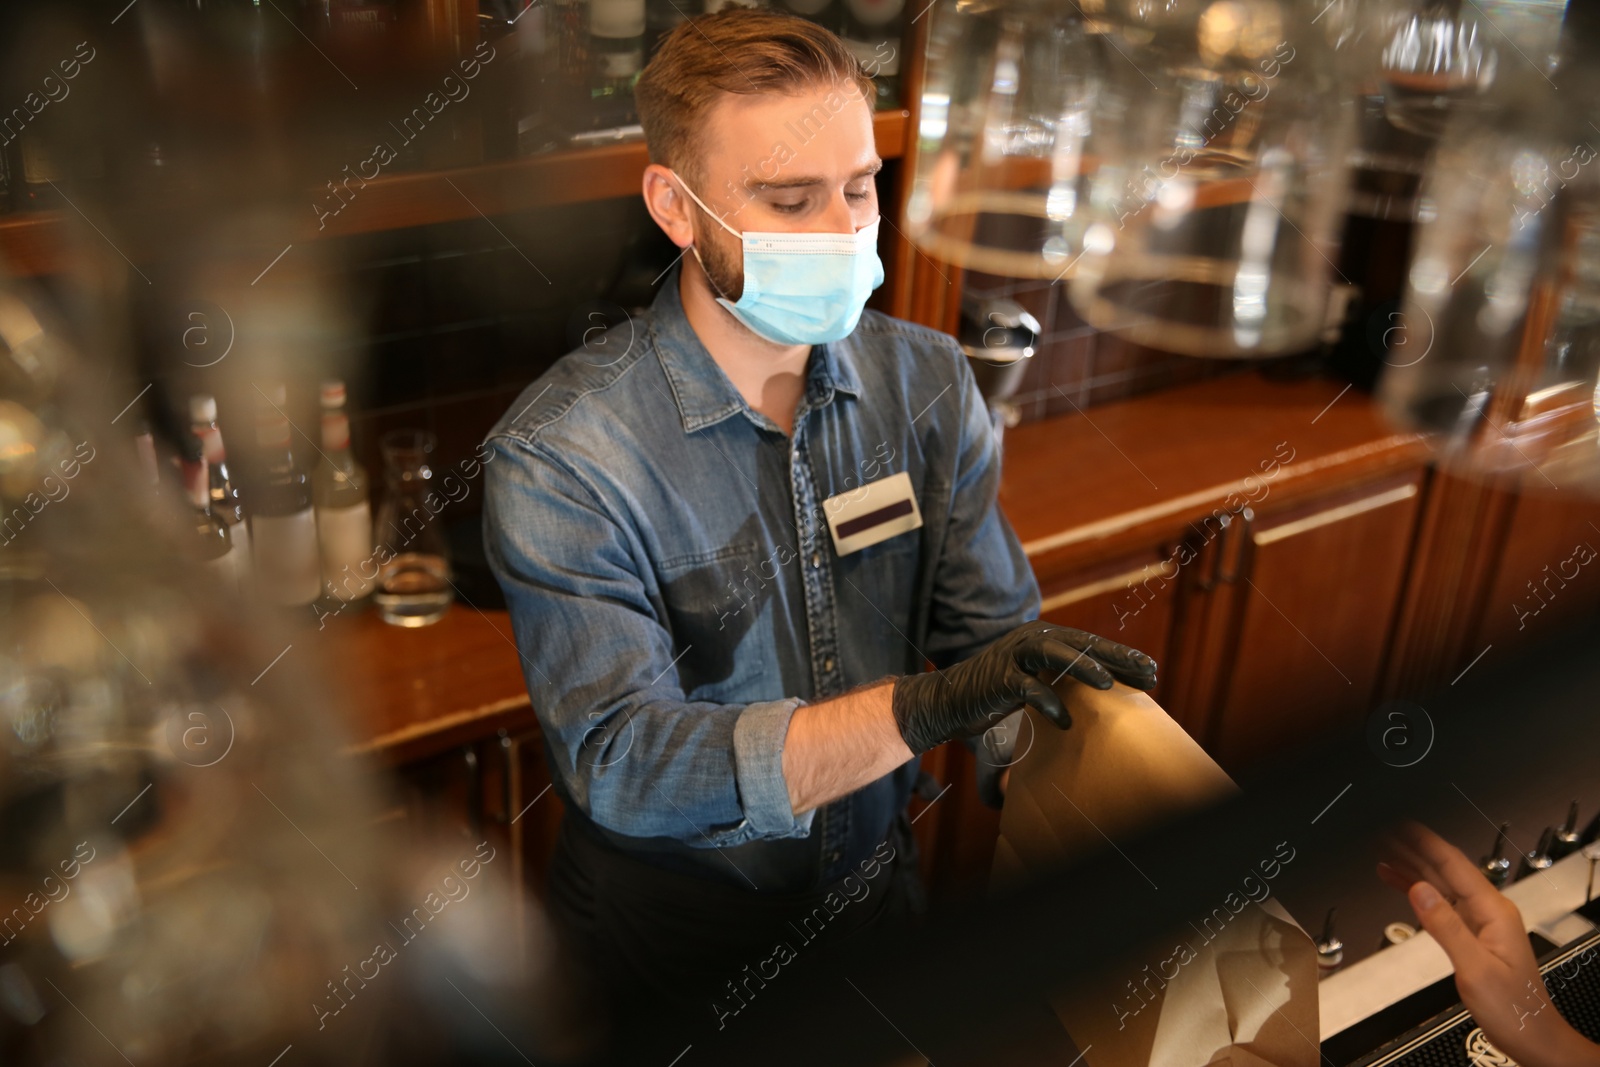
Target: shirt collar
703, 393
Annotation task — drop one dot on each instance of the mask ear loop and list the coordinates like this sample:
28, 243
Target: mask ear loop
694, 247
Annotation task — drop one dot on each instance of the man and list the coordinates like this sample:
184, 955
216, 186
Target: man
730, 550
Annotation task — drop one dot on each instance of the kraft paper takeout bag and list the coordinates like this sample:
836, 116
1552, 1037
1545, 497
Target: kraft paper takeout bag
1245, 998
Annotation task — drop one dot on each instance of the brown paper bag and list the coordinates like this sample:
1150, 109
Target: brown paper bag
1245, 990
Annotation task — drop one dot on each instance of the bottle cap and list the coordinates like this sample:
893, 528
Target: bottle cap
274, 393
202, 408
333, 393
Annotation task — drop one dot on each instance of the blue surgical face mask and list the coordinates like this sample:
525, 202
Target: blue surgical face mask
802, 288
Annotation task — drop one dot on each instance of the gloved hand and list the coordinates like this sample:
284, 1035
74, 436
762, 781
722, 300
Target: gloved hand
968, 698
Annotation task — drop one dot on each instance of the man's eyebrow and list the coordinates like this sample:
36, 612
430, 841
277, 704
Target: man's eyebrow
807, 182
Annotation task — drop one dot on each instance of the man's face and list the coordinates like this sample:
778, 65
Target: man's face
802, 163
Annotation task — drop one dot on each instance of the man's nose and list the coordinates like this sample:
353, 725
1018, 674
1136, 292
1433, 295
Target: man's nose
838, 218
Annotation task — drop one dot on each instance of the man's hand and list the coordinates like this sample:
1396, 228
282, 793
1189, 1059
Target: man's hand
1483, 934
967, 699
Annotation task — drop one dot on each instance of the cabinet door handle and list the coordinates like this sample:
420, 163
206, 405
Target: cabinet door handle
1211, 567
1239, 545
507, 762
474, 790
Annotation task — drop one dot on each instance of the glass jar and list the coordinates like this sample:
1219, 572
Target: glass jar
1222, 184
415, 585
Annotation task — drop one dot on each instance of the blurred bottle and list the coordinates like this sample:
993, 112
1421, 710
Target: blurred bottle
39, 174
344, 515
518, 107
211, 543
282, 524
827, 13
144, 446
713, 6
7, 186
356, 24
872, 30
662, 16
226, 501
55, 172
616, 44
414, 580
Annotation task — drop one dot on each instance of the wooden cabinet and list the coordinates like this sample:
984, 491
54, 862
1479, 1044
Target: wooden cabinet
1251, 535
1294, 612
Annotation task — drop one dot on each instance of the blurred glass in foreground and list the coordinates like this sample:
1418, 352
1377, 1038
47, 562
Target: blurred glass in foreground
1496, 349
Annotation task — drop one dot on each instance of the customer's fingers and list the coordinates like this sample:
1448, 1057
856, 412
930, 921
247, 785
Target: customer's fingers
1454, 874
1467, 954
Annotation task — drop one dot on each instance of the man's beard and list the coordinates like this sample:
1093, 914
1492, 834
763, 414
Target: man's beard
725, 272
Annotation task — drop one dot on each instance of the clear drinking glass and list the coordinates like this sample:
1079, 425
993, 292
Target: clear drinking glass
1437, 58
1006, 138
415, 585
1221, 188
1496, 348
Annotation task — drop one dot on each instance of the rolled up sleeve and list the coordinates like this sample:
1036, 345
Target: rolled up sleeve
632, 752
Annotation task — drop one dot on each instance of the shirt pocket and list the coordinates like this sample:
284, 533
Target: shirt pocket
712, 602
879, 584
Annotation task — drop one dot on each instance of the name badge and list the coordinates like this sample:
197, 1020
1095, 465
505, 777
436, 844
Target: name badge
871, 513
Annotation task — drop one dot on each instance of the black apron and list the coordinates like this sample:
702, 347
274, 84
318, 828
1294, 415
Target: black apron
659, 942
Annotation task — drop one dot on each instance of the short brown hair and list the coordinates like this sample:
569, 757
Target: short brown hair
736, 50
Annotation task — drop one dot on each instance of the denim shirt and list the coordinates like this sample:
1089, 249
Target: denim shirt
675, 593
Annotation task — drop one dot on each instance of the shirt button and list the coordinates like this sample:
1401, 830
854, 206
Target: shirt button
816, 560
833, 857
827, 664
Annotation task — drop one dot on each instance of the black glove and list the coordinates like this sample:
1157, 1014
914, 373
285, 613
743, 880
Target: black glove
968, 698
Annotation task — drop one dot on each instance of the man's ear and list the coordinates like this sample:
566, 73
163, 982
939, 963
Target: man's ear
668, 205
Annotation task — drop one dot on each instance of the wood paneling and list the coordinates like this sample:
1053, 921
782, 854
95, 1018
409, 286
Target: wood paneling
35, 244
1314, 595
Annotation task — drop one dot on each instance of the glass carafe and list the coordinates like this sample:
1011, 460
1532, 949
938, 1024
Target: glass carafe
415, 586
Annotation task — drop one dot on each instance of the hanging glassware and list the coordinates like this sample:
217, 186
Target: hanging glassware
1216, 210
1005, 143
1496, 349
1437, 57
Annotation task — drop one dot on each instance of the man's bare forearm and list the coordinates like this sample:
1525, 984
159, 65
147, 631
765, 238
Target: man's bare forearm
836, 747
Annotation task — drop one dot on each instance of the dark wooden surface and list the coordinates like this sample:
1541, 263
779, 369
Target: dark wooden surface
1085, 488
415, 693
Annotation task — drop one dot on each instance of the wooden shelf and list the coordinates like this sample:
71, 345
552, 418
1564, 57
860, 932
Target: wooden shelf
418, 692
38, 244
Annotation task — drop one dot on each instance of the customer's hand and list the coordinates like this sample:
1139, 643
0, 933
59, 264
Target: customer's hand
968, 698
1483, 934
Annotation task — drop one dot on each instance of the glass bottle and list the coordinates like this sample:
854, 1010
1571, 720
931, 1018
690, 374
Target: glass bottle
226, 500
616, 42
283, 526
211, 544
414, 579
871, 30
344, 514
